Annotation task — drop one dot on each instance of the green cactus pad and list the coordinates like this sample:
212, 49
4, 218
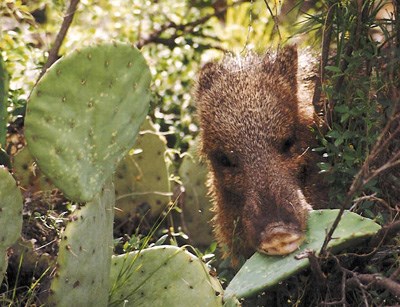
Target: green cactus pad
84, 258
162, 276
84, 114
142, 178
262, 271
10, 216
196, 208
28, 176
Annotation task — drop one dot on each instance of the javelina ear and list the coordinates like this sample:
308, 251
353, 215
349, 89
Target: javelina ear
285, 64
207, 76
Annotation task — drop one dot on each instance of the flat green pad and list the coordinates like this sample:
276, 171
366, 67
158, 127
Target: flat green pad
142, 179
84, 114
10, 216
162, 276
29, 177
84, 259
196, 208
262, 271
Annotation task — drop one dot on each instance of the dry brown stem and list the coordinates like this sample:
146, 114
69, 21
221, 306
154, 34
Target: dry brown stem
375, 281
53, 53
181, 29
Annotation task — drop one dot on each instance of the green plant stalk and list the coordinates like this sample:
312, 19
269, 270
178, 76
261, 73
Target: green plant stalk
4, 81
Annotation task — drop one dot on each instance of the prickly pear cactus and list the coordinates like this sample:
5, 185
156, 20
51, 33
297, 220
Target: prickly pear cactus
83, 114
142, 178
28, 176
84, 258
196, 207
261, 271
10, 216
162, 276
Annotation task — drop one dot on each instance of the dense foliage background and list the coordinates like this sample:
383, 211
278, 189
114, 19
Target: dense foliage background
357, 97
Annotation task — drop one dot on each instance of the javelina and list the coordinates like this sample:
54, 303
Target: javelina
255, 120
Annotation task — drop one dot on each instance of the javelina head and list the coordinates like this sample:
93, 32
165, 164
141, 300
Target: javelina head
255, 140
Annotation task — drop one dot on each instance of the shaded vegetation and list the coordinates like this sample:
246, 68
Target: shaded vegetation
356, 97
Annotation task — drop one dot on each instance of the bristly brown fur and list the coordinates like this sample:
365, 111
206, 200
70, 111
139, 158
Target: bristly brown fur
255, 115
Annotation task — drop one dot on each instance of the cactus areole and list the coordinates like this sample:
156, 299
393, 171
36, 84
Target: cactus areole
83, 114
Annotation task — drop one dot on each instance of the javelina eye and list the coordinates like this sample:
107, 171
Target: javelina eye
287, 144
223, 160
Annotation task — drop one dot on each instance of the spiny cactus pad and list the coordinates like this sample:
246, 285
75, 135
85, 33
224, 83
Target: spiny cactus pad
262, 271
28, 176
84, 114
83, 263
196, 209
10, 216
162, 276
142, 178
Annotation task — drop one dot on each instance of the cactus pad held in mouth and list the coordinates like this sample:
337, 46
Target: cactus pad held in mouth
262, 271
84, 114
10, 216
162, 276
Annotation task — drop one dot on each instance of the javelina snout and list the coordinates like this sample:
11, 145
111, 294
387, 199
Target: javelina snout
262, 190
275, 226
255, 135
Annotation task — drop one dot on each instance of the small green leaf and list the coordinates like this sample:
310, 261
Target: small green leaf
334, 69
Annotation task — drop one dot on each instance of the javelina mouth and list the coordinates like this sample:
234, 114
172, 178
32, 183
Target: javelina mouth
280, 241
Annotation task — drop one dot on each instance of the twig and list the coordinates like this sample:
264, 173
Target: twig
53, 53
326, 40
343, 285
375, 280
155, 37
316, 269
275, 19
385, 233
362, 177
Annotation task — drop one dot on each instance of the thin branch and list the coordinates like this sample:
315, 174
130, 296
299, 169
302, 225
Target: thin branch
185, 28
385, 233
53, 53
319, 276
361, 177
326, 41
375, 280
274, 18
